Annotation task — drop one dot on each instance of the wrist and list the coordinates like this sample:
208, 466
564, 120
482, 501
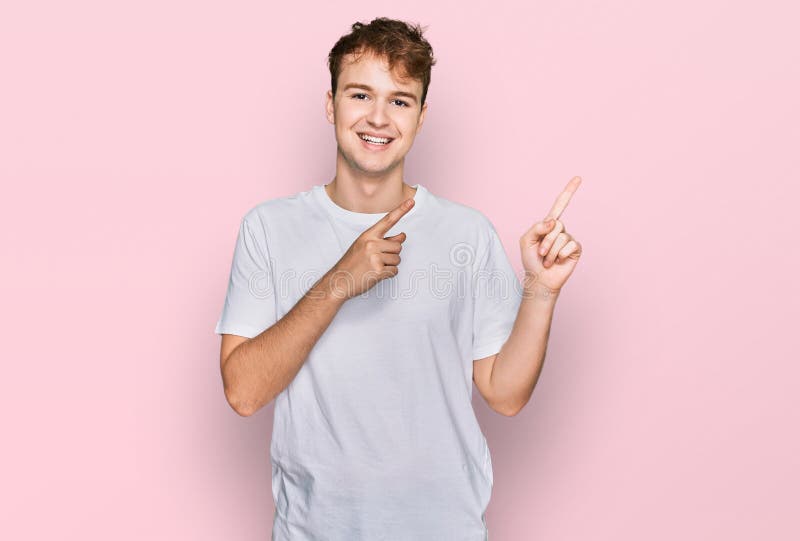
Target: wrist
329, 290
534, 288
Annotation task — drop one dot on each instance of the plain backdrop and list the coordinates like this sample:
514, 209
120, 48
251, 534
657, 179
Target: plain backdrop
134, 136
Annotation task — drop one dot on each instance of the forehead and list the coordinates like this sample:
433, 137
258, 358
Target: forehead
373, 70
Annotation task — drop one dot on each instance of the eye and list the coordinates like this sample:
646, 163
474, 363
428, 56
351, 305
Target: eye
404, 104
357, 95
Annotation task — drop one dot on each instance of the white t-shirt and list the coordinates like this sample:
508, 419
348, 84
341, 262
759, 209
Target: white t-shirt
375, 438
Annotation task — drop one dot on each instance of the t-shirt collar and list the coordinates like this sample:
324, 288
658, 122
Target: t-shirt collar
364, 218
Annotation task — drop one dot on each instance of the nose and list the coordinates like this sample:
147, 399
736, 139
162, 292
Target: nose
377, 116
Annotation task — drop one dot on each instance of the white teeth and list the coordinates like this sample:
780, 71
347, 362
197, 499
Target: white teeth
374, 140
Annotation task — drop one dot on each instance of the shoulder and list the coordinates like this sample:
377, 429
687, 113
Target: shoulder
279, 209
468, 231
460, 215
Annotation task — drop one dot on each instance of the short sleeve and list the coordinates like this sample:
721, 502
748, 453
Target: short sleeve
497, 295
249, 306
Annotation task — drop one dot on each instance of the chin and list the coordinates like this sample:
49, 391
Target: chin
371, 168
375, 172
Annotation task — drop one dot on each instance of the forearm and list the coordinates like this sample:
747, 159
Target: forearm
260, 368
517, 366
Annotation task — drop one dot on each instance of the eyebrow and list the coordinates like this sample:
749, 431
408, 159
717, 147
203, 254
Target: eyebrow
369, 88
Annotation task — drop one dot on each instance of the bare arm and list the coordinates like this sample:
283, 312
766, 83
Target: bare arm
255, 371
549, 255
516, 368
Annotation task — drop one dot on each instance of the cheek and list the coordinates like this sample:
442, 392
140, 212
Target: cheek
346, 115
410, 126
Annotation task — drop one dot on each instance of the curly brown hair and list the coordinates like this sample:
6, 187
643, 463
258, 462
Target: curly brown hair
399, 42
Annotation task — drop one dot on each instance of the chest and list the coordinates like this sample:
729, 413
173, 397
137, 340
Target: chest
433, 286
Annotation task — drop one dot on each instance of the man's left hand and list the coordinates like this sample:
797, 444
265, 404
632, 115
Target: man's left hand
549, 253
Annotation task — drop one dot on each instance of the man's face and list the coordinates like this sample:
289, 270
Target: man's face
371, 101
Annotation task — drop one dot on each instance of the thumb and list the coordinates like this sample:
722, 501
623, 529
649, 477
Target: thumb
537, 231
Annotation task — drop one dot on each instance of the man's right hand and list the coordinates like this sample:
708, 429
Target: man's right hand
371, 258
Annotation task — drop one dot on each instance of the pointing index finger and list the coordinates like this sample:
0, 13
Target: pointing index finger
383, 225
563, 198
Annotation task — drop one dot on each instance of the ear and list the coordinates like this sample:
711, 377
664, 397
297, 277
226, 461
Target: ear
329, 111
421, 116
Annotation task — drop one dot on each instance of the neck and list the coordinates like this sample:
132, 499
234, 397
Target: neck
358, 192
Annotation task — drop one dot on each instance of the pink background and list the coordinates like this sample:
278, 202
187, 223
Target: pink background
134, 135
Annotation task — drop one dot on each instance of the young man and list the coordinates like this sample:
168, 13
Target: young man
371, 360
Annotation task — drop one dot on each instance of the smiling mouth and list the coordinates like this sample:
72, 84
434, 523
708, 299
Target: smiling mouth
375, 140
